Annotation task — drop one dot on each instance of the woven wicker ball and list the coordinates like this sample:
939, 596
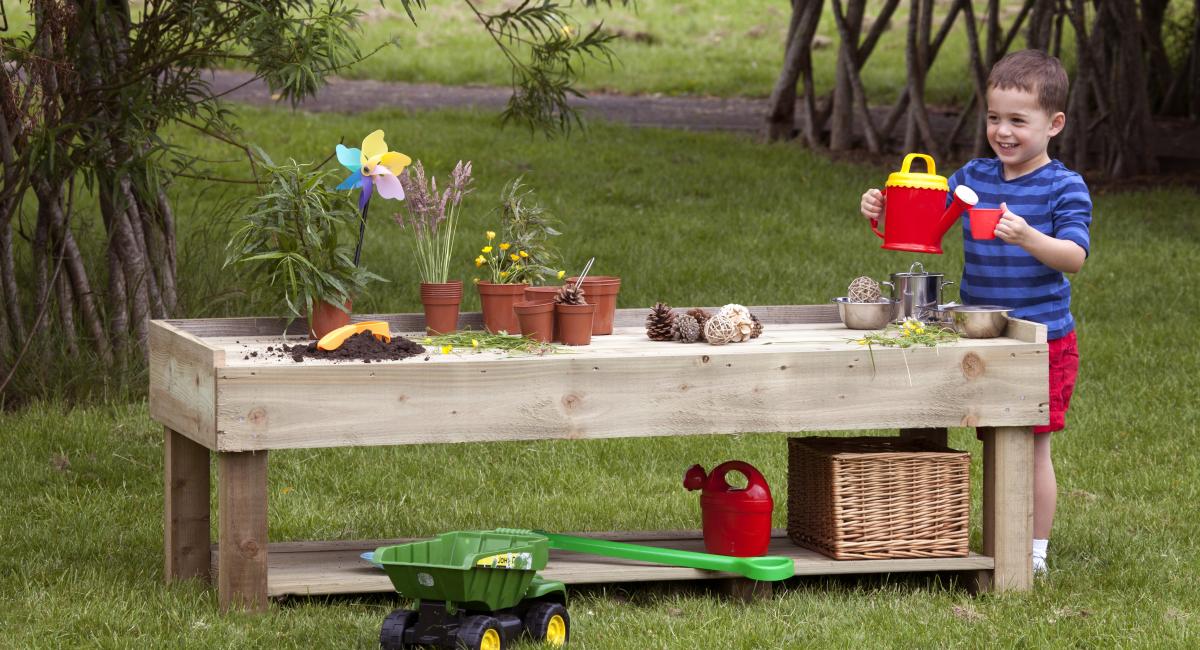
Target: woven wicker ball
863, 289
720, 330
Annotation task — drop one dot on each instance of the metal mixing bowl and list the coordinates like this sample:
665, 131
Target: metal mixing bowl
866, 315
980, 321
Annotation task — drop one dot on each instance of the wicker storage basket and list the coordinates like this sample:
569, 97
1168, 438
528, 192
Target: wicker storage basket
874, 498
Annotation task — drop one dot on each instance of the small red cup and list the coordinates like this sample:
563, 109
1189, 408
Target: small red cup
983, 222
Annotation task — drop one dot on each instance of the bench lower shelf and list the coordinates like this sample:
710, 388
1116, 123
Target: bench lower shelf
319, 568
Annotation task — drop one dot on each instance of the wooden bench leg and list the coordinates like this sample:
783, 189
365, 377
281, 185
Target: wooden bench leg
1007, 508
938, 436
745, 590
242, 530
186, 537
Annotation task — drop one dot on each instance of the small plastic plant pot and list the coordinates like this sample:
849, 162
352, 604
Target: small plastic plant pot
327, 317
573, 323
536, 319
497, 301
540, 294
983, 222
602, 291
441, 301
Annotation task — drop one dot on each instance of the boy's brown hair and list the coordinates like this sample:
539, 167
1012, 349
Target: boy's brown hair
1033, 71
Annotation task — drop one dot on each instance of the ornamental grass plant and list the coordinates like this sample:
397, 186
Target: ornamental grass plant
292, 238
431, 218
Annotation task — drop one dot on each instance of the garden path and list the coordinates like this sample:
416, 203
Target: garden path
1176, 144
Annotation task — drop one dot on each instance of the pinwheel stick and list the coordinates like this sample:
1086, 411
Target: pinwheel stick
362, 231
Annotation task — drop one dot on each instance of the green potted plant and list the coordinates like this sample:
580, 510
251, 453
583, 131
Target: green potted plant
520, 262
294, 240
432, 221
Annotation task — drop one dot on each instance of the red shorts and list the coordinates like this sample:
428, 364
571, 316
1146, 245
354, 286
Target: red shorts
1064, 368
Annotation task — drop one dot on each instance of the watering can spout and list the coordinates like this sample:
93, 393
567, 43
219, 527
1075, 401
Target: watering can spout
964, 198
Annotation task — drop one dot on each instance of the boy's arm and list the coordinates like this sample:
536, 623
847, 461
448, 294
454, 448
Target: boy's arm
1059, 254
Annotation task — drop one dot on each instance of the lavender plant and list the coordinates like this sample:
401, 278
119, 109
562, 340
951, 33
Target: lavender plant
432, 217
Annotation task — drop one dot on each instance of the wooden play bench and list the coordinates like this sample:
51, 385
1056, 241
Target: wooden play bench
803, 374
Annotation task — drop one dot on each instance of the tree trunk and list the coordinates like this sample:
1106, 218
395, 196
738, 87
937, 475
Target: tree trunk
797, 62
841, 122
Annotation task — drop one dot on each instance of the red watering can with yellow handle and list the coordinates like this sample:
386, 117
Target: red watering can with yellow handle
915, 212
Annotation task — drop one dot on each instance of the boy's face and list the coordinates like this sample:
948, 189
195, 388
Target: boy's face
1019, 130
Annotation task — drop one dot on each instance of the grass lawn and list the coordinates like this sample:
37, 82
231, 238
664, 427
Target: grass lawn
722, 48
718, 47
687, 218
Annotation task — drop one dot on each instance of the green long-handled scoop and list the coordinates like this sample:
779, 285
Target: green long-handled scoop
767, 568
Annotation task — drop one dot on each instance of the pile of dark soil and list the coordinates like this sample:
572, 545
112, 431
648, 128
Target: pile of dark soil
359, 347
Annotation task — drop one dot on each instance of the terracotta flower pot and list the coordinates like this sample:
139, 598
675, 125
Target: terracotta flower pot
326, 317
537, 320
573, 323
441, 301
601, 290
498, 302
540, 294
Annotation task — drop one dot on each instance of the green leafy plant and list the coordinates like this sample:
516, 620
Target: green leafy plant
473, 341
432, 219
292, 238
525, 252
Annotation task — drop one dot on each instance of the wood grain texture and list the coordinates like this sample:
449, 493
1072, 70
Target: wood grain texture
796, 378
242, 531
186, 516
312, 568
1008, 507
183, 382
1024, 330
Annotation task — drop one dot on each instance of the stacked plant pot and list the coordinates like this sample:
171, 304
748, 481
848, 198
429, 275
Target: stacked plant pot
441, 301
601, 291
497, 301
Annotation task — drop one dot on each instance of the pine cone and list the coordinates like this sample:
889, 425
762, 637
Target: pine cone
569, 294
687, 329
701, 317
758, 327
660, 323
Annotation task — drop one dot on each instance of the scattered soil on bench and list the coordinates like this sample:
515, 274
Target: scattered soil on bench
359, 347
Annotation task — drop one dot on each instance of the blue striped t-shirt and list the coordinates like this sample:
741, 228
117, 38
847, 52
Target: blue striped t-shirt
1055, 201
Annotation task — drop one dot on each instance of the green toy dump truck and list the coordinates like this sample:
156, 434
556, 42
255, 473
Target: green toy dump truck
474, 589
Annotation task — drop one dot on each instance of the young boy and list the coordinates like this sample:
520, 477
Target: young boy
1043, 234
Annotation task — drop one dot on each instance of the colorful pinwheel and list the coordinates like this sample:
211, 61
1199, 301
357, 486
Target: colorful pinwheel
372, 168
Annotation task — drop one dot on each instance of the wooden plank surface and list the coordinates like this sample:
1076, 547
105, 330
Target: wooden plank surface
242, 531
793, 378
415, 322
186, 516
183, 382
311, 568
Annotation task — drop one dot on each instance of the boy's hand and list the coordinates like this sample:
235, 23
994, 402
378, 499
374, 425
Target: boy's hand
1013, 228
872, 204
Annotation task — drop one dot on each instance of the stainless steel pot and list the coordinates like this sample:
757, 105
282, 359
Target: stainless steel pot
917, 292
865, 315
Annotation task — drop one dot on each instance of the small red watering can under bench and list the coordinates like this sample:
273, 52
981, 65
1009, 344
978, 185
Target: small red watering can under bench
915, 212
737, 521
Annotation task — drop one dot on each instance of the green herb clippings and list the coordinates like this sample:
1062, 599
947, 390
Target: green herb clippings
908, 334
468, 340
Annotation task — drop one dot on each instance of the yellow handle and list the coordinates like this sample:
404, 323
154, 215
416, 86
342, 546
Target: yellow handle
930, 168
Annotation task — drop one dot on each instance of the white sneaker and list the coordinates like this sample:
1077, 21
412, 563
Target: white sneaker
1039, 566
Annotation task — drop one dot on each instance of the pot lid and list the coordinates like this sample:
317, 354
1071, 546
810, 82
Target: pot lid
915, 270
917, 180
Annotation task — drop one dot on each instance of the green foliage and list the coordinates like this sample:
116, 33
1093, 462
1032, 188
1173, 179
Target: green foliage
545, 50
524, 252
292, 239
